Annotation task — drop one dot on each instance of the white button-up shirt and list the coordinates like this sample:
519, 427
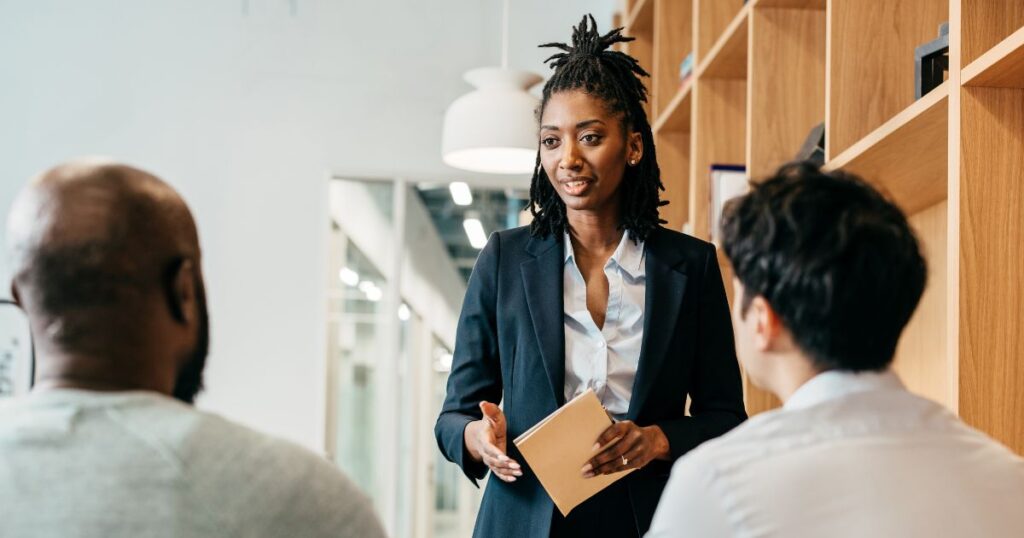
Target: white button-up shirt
605, 359
849, 455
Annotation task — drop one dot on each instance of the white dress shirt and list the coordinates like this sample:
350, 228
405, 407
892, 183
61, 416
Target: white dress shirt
849, 455
605, 359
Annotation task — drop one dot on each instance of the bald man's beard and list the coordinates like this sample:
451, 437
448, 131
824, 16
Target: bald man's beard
189, 382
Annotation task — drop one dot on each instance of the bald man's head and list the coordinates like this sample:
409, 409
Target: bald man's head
102, 253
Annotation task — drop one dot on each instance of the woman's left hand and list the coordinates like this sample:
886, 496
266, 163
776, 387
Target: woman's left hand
624, 445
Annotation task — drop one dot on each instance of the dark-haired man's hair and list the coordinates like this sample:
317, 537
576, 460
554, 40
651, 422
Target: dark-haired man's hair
588, 64
835, 259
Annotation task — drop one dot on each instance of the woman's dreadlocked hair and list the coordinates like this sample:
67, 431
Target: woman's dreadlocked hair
614, 77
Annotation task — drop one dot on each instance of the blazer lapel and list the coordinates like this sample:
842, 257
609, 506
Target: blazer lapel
665, 286
542, 280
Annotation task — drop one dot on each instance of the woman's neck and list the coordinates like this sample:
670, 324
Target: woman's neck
595, 232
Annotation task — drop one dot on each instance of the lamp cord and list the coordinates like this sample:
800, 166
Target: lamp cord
31, 346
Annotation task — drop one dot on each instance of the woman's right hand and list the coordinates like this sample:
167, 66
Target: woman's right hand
486, 439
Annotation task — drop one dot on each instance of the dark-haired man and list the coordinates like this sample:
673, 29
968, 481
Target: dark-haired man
106, 265
828, 272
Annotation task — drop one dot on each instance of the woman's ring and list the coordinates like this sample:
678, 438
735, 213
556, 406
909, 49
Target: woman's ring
625, 461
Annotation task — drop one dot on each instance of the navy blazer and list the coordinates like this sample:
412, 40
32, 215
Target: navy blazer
510, 344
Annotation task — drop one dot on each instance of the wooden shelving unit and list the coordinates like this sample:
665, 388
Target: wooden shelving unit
768, 71
907, 154
639, 23
1000, 67
642, 15
728, 57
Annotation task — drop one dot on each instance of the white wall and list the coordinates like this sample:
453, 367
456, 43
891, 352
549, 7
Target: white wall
244, 105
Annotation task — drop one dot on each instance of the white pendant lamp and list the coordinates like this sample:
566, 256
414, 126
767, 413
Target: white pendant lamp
493, 129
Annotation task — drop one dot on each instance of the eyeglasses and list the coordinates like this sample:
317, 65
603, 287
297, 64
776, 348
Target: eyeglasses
17, 351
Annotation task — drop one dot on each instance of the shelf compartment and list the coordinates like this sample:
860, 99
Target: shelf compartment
642, 46
985, 23
908, 155
818, 5
674, 161
1000, 67
641, 17
922, 359
991, 298
676, 116
719, 137
673, 41
728, 58
713, 18
871, 63
787, 45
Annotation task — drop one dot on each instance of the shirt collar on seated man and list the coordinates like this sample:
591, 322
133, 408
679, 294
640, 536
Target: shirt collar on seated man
835, 384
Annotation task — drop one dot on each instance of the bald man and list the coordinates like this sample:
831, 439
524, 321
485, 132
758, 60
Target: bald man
107, 267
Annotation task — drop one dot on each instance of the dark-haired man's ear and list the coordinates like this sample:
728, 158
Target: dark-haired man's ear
181, 291
767, 325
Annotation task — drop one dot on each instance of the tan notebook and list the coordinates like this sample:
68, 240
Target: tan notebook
558, 447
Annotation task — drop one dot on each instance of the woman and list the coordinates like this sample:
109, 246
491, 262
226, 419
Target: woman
594, 294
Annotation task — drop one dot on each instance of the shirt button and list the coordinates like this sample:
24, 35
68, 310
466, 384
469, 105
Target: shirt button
601, 344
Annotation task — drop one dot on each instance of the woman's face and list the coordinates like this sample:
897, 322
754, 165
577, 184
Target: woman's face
584, 150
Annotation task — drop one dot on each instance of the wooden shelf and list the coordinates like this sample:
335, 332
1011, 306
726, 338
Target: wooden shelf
641, 18
984, 23
676, 116
908, 155
767, 71
711, 19
991, 293
785, 45
871, 69
673, 42
793, 4
1001, 67
728, 57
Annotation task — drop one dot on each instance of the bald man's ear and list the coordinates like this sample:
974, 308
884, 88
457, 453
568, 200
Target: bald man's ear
181, 291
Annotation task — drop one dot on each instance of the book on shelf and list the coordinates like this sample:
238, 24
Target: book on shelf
558, 447
727, 182
685, 69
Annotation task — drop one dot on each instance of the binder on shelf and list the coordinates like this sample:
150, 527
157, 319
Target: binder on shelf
727, 182
558, 447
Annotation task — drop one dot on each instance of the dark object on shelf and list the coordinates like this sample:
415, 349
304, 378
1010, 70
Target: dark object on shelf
813, 148
931, 60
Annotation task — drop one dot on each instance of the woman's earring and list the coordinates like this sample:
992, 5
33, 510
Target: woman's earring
632, 162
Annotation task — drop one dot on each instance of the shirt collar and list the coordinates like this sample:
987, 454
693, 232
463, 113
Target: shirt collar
628, 256
835, 384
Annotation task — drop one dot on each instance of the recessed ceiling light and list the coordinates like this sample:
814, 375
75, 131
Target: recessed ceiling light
461, 194
349, 277
475, 231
